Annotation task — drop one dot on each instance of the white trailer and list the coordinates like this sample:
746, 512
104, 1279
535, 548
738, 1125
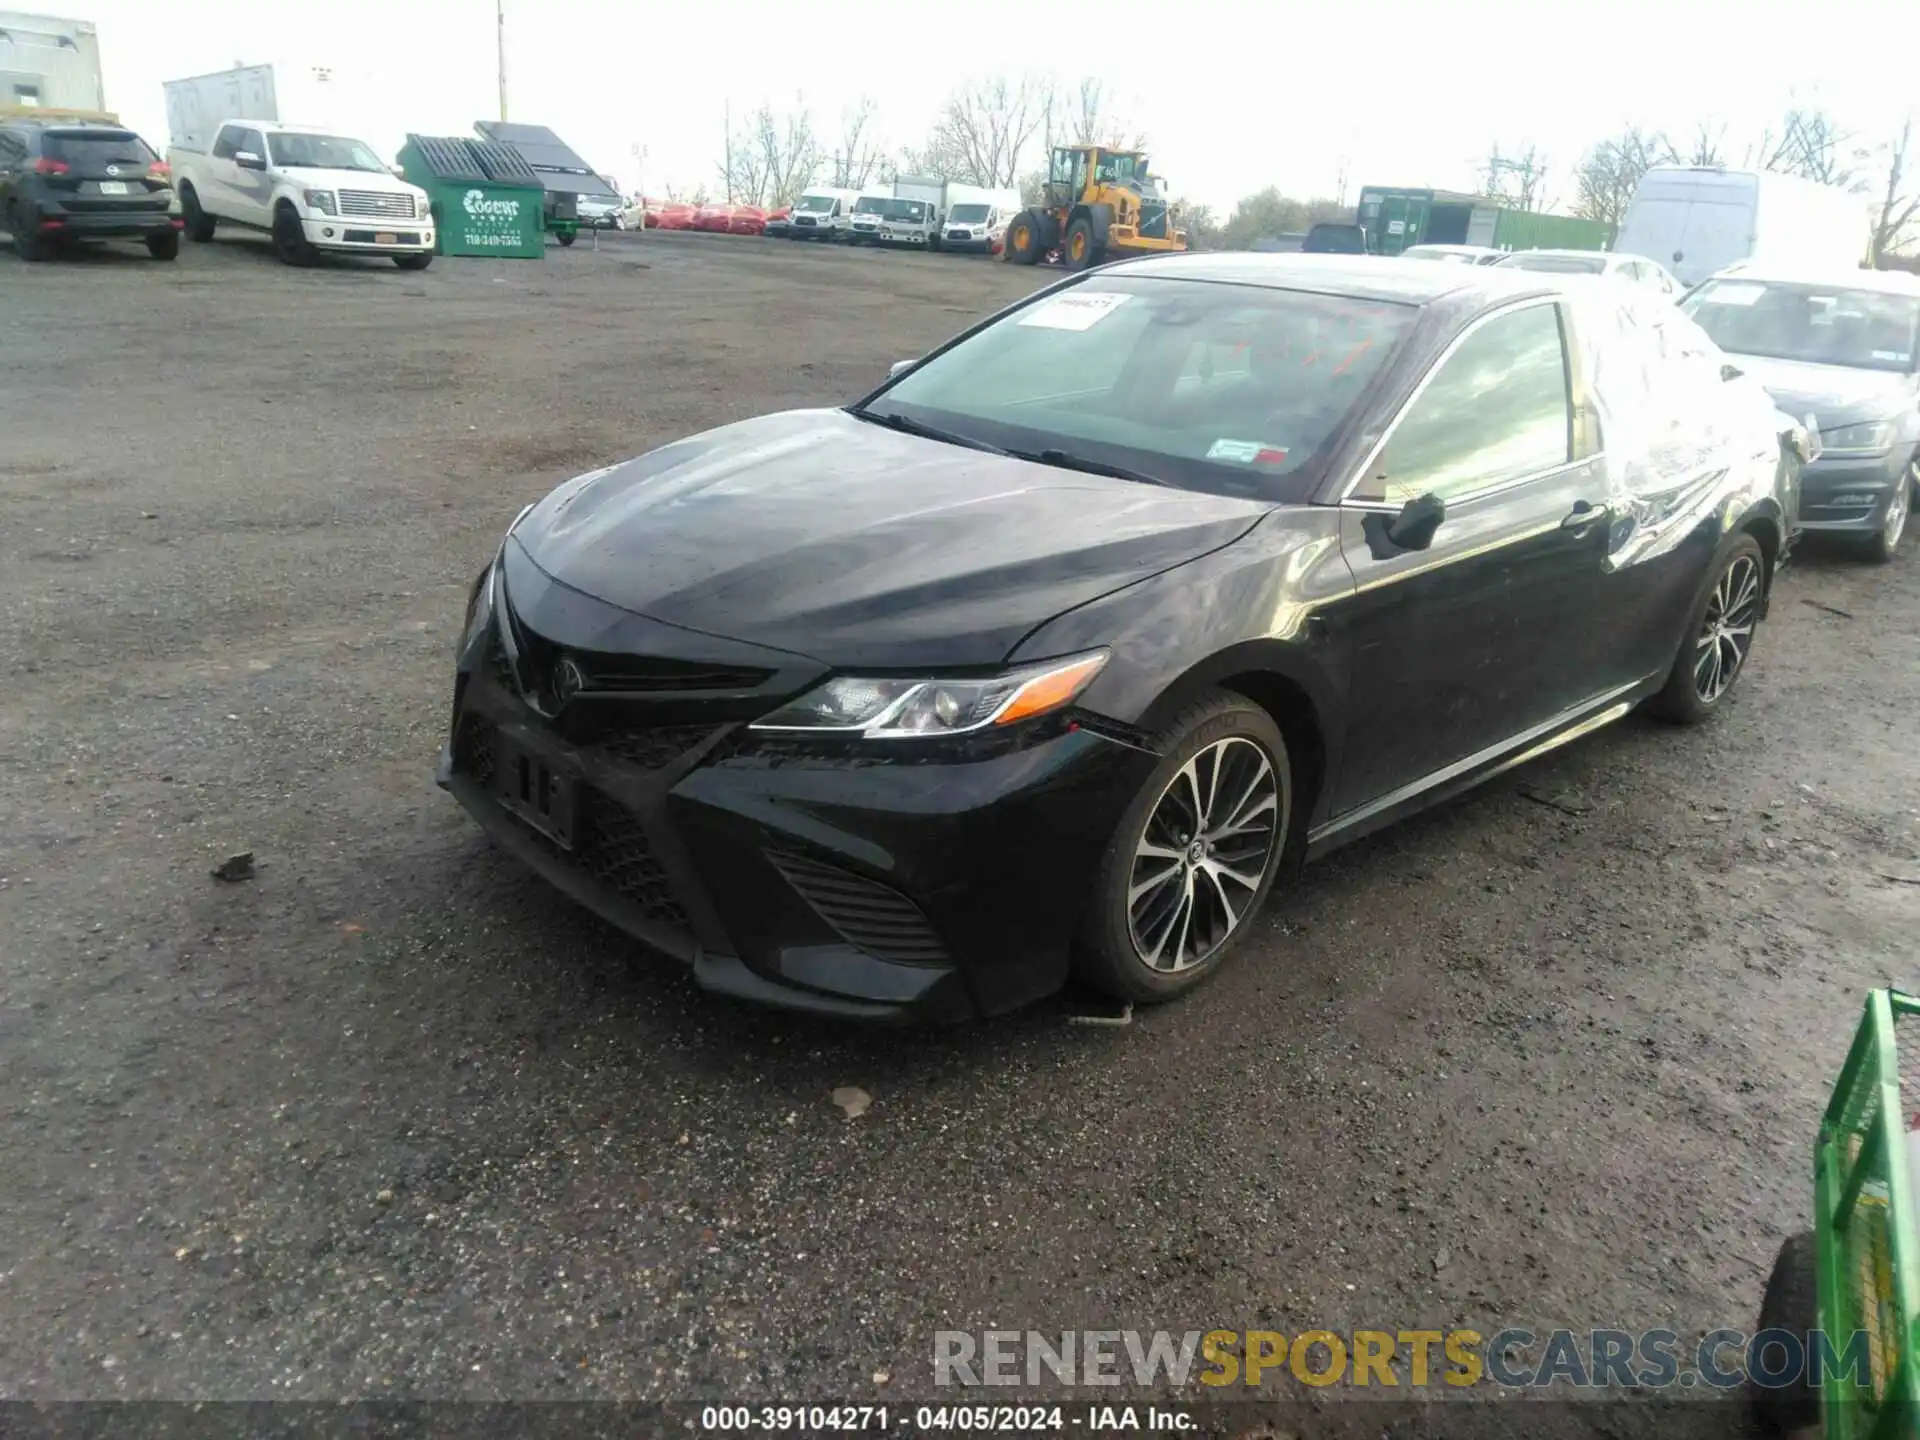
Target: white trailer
352, 102
1697, 219
49, 63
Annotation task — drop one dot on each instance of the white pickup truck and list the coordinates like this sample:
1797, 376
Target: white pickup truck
308, 190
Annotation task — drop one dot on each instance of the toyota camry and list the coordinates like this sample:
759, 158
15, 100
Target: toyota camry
1058, 651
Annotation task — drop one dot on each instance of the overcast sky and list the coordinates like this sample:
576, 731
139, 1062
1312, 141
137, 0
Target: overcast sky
1232, 97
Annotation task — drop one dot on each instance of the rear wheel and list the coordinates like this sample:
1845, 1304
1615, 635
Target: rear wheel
1719, 636
1080, 249
200, 225
1023, 239
1885, 542
27, 243
1192, 859
567, 237
164, 246
413, 262
290, 238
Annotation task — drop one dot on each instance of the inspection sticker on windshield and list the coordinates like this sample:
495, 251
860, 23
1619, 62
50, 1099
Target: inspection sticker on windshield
1731, 294
1893, 357
1247, 452
1074, 312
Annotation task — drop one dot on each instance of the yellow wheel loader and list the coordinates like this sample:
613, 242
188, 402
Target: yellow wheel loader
1100, 205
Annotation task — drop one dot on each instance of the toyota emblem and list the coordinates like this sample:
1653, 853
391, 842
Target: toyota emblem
567, 680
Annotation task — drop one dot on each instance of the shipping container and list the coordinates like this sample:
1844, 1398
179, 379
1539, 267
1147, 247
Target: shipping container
47, 62
1396, 217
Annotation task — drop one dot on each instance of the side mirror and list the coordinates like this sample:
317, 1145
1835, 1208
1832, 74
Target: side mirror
899, 368
247, 160
1413, 528
1731, 372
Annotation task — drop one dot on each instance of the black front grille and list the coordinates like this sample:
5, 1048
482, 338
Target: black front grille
653, 747
609, 843
869, 915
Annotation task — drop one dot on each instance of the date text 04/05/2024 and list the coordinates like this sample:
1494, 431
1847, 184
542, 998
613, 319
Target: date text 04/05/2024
929, 1419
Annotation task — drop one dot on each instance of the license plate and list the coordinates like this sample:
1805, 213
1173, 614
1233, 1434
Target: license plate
113, 187
383, 238
534, 790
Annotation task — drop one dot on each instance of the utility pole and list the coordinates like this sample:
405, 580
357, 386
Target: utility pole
729, 150
500, 25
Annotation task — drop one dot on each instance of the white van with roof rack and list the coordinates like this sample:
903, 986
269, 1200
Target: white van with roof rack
1697, 220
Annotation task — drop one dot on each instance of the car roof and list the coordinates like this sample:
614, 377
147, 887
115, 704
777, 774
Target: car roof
1359, 277
1549, 250
1886, 282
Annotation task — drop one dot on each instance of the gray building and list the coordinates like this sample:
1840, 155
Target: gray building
47, 61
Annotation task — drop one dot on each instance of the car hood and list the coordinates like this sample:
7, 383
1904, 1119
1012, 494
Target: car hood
834, 538
376, 181
1835, 394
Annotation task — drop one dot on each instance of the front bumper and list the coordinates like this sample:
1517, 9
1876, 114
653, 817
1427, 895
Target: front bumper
354, 235
941, 889
1865, 483
964, 241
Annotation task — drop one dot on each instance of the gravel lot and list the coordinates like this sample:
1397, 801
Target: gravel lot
394, 1119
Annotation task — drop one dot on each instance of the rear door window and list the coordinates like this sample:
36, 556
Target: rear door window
227, 143
1497, 410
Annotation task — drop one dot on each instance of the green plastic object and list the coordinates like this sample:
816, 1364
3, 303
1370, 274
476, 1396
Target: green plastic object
486, 199
1867, 1259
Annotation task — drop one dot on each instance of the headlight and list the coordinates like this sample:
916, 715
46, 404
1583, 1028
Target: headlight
422, 207
479, 608
321, 200
892, 709
1877, 435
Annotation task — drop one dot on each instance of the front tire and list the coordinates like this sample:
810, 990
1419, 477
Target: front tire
1081, 250
1719, 636
1884, 544
1024, 246
290, 238
413, 262
164, 246
1193, 857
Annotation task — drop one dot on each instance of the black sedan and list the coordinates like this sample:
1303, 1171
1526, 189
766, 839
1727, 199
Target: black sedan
1057, 650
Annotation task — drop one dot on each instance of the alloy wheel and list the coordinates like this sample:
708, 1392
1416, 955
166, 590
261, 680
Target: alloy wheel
1200, 860
1899, 508
1726, 631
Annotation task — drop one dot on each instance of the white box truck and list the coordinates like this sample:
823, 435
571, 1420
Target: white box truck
1696, 220
915, 213
49, 63
977, 217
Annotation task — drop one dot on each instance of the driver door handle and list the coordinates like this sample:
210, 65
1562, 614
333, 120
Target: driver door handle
1585, 516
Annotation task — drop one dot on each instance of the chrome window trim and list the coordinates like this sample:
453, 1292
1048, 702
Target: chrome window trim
1566, 363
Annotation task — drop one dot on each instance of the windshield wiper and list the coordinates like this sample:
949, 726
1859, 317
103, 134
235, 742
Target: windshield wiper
1067, 460
893, 420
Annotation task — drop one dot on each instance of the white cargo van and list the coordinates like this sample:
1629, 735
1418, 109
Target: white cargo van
1698, 219
977, 218
822, 214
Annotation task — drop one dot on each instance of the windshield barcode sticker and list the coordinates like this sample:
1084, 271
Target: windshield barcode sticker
1074, 312
1247, 452
1895, 357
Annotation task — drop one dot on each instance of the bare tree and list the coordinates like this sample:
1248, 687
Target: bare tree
1520, 179
1809, 143
1086, 116
773, 159
1608, 174
1899, 214
1709, 145
856, 156
983, 133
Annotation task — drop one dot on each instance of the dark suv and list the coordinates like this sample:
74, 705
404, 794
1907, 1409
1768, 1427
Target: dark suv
76, 179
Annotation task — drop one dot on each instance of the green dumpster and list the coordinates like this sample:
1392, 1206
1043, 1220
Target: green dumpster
486, 199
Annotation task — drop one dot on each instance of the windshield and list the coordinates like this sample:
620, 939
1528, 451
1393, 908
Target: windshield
824, 202
914, 210
1862, 329
91, 153
1233, 389
321, 152
1557, 264
970, 214
865, 205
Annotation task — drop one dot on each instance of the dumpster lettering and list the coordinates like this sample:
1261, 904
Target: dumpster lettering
477, 204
